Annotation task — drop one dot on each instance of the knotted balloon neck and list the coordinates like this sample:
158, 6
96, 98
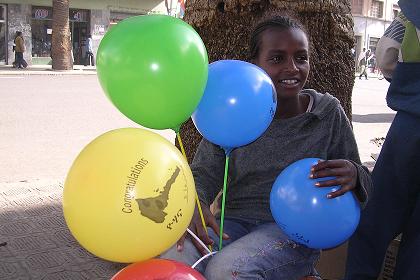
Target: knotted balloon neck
227, 150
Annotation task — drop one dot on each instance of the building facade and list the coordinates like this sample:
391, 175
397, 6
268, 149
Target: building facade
371, 19
87, 17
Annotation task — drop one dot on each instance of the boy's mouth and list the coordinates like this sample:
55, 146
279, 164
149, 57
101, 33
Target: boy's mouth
289, 81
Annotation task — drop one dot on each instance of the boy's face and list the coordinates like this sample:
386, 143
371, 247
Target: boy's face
284, 55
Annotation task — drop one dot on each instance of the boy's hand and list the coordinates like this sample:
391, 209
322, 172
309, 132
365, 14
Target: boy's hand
197, 227
344, 171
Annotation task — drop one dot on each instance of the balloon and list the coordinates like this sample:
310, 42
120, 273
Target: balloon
154, 69
305, 214
129, 195
238, 104
158, 269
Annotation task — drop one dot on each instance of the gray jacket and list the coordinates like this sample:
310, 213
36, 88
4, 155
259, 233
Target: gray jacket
324, 132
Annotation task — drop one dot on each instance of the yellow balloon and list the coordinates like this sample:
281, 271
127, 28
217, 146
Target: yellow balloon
129, 195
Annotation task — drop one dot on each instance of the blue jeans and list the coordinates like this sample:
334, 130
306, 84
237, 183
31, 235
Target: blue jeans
254, 251
393, 209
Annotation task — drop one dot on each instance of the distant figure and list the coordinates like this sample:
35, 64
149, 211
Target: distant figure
363, 60
89, 59
19, 50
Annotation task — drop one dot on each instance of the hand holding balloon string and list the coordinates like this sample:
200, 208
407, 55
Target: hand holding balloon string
196, 229
344, 174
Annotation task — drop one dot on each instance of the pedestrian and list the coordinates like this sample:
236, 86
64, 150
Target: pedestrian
14, 50
361, 56
306, 124
363, 61
19, 50
89, 59
395, 204
372, 62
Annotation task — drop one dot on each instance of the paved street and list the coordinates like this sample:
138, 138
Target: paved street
371, 117
44, 123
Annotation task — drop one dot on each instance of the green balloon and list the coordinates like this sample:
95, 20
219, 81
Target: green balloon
154, 70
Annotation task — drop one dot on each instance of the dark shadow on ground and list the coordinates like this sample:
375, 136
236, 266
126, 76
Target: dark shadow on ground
373, 118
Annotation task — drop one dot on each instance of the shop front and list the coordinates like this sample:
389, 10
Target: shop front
41, 26
35, 18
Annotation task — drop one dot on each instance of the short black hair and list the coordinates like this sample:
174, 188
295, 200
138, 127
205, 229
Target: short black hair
279, 21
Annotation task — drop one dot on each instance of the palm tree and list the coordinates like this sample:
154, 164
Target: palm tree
61, 45
225, 27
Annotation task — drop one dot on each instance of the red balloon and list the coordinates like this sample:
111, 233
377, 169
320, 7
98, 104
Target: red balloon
156, 269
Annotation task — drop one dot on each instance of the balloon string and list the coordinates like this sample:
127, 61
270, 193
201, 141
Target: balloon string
200, 211
202, 258
222, 217
178, 136
198, 240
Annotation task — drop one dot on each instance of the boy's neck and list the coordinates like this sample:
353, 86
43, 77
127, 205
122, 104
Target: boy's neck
292, 107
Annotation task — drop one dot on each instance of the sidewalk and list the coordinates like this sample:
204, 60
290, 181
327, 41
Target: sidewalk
370, 74
46, 70
35, 242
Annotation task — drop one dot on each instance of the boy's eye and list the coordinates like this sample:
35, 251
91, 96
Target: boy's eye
276, 59
302, 58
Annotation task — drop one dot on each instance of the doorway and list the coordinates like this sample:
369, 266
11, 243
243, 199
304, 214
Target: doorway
79, 28
79, 35
3, 42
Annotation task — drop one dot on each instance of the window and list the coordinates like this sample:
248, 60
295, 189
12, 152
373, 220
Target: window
119, 16
377, 9
373, 42
2, 13
357, 6
41, 26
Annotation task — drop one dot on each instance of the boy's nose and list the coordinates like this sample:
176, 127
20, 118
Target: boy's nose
291, 65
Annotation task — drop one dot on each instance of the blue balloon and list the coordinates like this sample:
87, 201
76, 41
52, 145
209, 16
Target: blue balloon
304, 213
238, 104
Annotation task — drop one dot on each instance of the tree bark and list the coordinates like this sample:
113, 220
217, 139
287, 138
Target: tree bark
225, 27
61, 45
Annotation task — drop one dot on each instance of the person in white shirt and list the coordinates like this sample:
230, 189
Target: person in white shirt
89, 59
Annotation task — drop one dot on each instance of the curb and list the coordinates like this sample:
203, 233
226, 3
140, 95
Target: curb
44, 70
52, 73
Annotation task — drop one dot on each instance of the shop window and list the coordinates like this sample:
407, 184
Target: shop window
2, 13
116, 17
357, 6
41, 25
377, 9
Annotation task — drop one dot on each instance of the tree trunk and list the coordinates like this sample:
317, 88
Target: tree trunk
61, 45
225, 27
